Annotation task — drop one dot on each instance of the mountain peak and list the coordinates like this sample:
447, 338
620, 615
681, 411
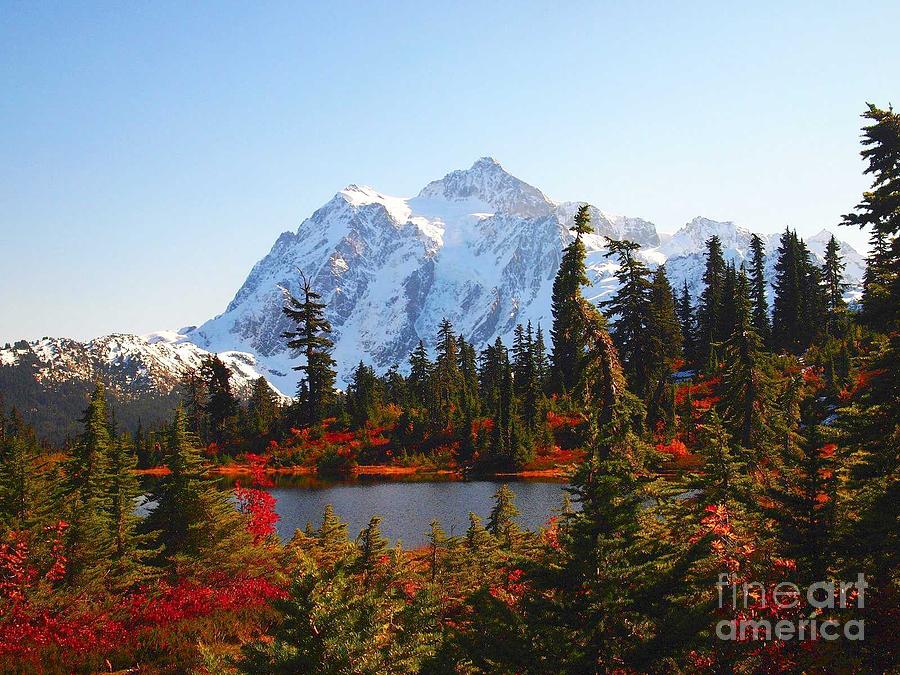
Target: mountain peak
823, 236
490, 184
486, 162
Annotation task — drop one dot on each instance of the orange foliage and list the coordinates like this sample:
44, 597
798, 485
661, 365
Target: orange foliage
555, 420
676, 448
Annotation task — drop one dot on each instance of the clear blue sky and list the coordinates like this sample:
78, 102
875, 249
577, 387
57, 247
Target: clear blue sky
150, 153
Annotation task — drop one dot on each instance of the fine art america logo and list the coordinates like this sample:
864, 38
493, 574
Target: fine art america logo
777, 612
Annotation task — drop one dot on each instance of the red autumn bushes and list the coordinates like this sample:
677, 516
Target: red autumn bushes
258, 504
42, 620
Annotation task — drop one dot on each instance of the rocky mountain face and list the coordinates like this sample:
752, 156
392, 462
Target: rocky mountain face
479, 247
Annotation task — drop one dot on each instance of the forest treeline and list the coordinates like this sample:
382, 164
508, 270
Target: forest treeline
722, 437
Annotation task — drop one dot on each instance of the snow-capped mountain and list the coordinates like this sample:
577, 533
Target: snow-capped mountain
49, 380
479, 247
129, 365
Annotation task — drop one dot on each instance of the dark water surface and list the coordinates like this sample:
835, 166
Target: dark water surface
407, 507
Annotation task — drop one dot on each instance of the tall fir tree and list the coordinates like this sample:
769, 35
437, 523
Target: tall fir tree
221, 407
879, 210
834, 287
786, 314
630, 305
130, 547
509, 447
195, 395
316, 395
502, 519
814, 306
89, 544
567, 333
365, 394
468, 370
759, 300
197, 530
525, 374
664, 341
687, 324
584, 623
541, 363
373, 549
25, 489
446, 377
420, 368
729, 310
262, 411
799, 300
747, 402
833, 275
493, 361
709, 311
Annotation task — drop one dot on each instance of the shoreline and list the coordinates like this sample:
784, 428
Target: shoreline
369, 470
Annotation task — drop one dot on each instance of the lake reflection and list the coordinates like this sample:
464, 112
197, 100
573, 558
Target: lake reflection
406, 506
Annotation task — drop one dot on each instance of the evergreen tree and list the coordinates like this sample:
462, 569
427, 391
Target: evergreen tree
528, 387
870, 502
262, 410
494, 360
879, 211
373, 548
446, 377
728, 315
420, 374
331, 626
89, 545
130, 551
583, 622
747, 399
509, 443
631, 306
221, 404
786, 316
687, 324
541, 364
813, 308
801, 502
833, 275
316, 394
365, 394
479, 542
760, 302
194, 400
501, 522
834, 286
332, 536
723, 472
664, 341
468, 369
437, 542
799, 301
567, 334
195, 526
24, 490
709, 312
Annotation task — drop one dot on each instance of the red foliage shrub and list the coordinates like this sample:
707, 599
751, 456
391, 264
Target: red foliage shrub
676, 448
260, 506
38, 620
556, 421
